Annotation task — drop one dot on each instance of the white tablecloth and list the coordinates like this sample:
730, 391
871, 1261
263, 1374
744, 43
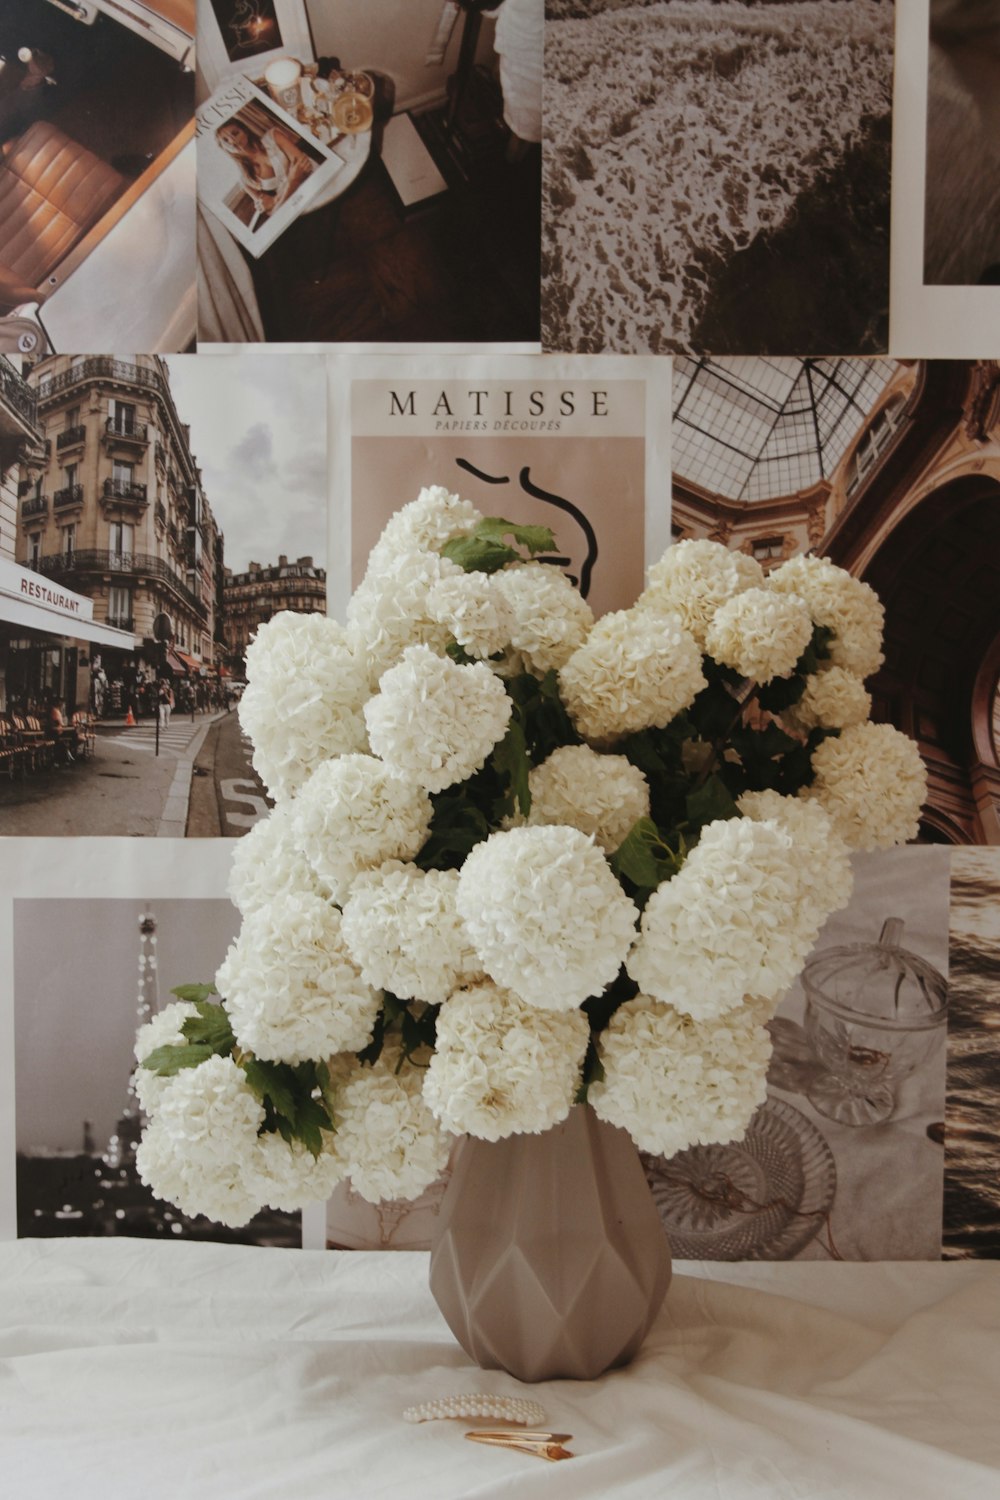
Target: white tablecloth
133, 1369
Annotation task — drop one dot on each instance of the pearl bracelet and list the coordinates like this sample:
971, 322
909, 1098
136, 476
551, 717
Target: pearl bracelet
503, 1408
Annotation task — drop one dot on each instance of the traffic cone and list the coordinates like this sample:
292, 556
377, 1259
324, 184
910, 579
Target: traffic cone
129, 720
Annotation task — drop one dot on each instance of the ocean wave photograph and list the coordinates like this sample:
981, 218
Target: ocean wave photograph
972, 1116
716, 176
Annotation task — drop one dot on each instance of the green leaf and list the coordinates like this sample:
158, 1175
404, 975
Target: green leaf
534, 538
270, 1081
643, 856
713, 711
312, 1120
211, 1026
510, 757
710, 803
478, 555
194, 992
166, 1061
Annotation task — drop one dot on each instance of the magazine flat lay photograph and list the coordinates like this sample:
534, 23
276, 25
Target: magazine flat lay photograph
500, 748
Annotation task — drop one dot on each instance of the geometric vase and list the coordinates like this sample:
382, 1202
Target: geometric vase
549, 1258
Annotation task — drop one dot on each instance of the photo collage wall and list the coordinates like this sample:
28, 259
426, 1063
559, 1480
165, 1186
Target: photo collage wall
640, 271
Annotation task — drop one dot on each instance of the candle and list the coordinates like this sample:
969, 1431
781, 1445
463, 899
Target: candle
282, 74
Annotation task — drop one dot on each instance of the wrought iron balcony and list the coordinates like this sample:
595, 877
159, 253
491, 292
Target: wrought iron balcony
72, 494
132, 564
35, 505
70, 436
124, 489
126, 432
98, 367
18, 405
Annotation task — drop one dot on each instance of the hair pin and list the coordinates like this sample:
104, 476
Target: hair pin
548, 1445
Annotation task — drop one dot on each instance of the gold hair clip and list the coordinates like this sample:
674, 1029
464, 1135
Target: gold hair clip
540, 1444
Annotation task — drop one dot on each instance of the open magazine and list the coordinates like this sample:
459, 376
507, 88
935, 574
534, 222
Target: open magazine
258, 167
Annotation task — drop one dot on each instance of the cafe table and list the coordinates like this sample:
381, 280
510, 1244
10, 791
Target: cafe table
133, 1368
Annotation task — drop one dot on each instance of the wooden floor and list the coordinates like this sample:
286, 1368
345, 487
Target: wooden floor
464, 269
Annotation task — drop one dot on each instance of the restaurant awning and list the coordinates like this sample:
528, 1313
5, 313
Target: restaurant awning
49, 610
175, 661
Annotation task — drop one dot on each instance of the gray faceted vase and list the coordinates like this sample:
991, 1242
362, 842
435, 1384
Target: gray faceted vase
549, 1258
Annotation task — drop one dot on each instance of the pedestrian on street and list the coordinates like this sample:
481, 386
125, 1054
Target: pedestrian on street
166, 701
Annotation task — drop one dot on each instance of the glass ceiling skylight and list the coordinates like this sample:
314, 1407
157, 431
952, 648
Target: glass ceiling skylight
754, 429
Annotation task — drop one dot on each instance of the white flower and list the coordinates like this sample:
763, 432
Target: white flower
833, 699
822, 859
391, 609
673, 1082
848, 607
307, 686
197, 1152
760, 634
501, 1066
424, 525
403, 930
291, 988
545, 914
352, 815
693, 579
873, 783
636, 669
550, 617
162, 1030
599, 794
474, 611
267, 862
387, 1140
287, 1176
738, 919
434, 722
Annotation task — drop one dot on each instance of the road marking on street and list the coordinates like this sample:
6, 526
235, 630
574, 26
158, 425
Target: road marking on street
237, 789
173, 741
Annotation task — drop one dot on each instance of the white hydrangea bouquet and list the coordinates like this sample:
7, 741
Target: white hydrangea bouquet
521, 858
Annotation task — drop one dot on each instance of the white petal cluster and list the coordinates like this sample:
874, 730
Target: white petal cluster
287, 1176
391, 609
292, 990
353, 815
600, 794
693, 579
873, 783
673, 1082
760, 634
502, 1067
423, 525
387, 1140
736, 920
307, 685
545, 914
475, 612
163, 1030
267, 862
403, 930
550, 617
198, 1150
636, 669
822, 859
833, 699
434, 722
846, 605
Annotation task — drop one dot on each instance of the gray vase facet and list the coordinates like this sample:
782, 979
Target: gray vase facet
549, 1257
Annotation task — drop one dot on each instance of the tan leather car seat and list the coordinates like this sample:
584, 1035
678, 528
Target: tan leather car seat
52, 190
